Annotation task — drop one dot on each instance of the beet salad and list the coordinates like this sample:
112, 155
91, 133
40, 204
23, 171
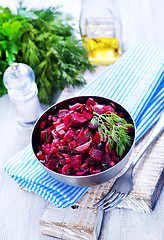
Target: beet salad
84, 139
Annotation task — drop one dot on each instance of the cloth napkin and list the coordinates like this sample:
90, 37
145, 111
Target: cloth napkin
136, 81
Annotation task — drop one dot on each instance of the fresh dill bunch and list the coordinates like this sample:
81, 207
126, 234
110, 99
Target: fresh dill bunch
113, 130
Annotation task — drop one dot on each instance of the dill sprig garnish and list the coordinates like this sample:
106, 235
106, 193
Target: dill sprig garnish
113, 130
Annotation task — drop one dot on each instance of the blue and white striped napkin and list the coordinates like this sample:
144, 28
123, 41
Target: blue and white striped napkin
28, 173
136, 81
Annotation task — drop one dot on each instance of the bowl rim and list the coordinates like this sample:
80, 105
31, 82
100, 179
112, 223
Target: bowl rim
83, 176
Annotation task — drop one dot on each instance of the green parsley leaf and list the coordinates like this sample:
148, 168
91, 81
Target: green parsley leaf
44, 40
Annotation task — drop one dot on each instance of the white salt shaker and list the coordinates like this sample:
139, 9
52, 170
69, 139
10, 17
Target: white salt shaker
19, 79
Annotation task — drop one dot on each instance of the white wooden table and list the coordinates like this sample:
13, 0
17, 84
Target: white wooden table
20, 211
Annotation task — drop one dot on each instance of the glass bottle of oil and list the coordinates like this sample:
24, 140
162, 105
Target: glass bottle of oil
100, 37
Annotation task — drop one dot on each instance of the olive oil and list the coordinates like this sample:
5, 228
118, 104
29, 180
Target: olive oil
102, 50
100, 40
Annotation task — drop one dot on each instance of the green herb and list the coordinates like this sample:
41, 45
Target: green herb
9, 41
46, 135
46, 42
113, 130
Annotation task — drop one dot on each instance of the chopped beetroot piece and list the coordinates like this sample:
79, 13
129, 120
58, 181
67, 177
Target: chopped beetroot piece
93, 124
53, 150
100, 146
61, 133
50, 117
97, 138
42, 124
48, 134
55, 124
93, 145
99, 109
60, 170
40, 155
59, 155
90, 161
111, 164
76, 169
76, 159
66, 166
62, 113
39, 148
113, 155
91, 169
91, 102
52, 163
107, 159
86, 131
89, 108
63, 149
68, 159
109, 109
95, 170
78, 118
66, 120
121, 115
59, 127
46, 147
76, 106
44, 136
83, 147
75, 137
84, 155
73, 129
63, 142
82, 172
83, 140
72, 144
53, 132
47, 156
76, 113
65, 155
81, 133
69, 135
130, 130
62, 161
50, 128
77, 131
87, 115
84, 165
107, 148
96, 154
54, 119
69, 171
56, 142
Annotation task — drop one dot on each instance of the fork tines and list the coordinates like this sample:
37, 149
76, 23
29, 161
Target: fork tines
110, 200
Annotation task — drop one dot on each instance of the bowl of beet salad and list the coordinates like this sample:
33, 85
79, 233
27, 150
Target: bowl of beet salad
84, 141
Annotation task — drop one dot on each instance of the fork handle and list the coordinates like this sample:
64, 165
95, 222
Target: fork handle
159, 127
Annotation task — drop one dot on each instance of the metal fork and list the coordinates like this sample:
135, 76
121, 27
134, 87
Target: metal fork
123, 185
